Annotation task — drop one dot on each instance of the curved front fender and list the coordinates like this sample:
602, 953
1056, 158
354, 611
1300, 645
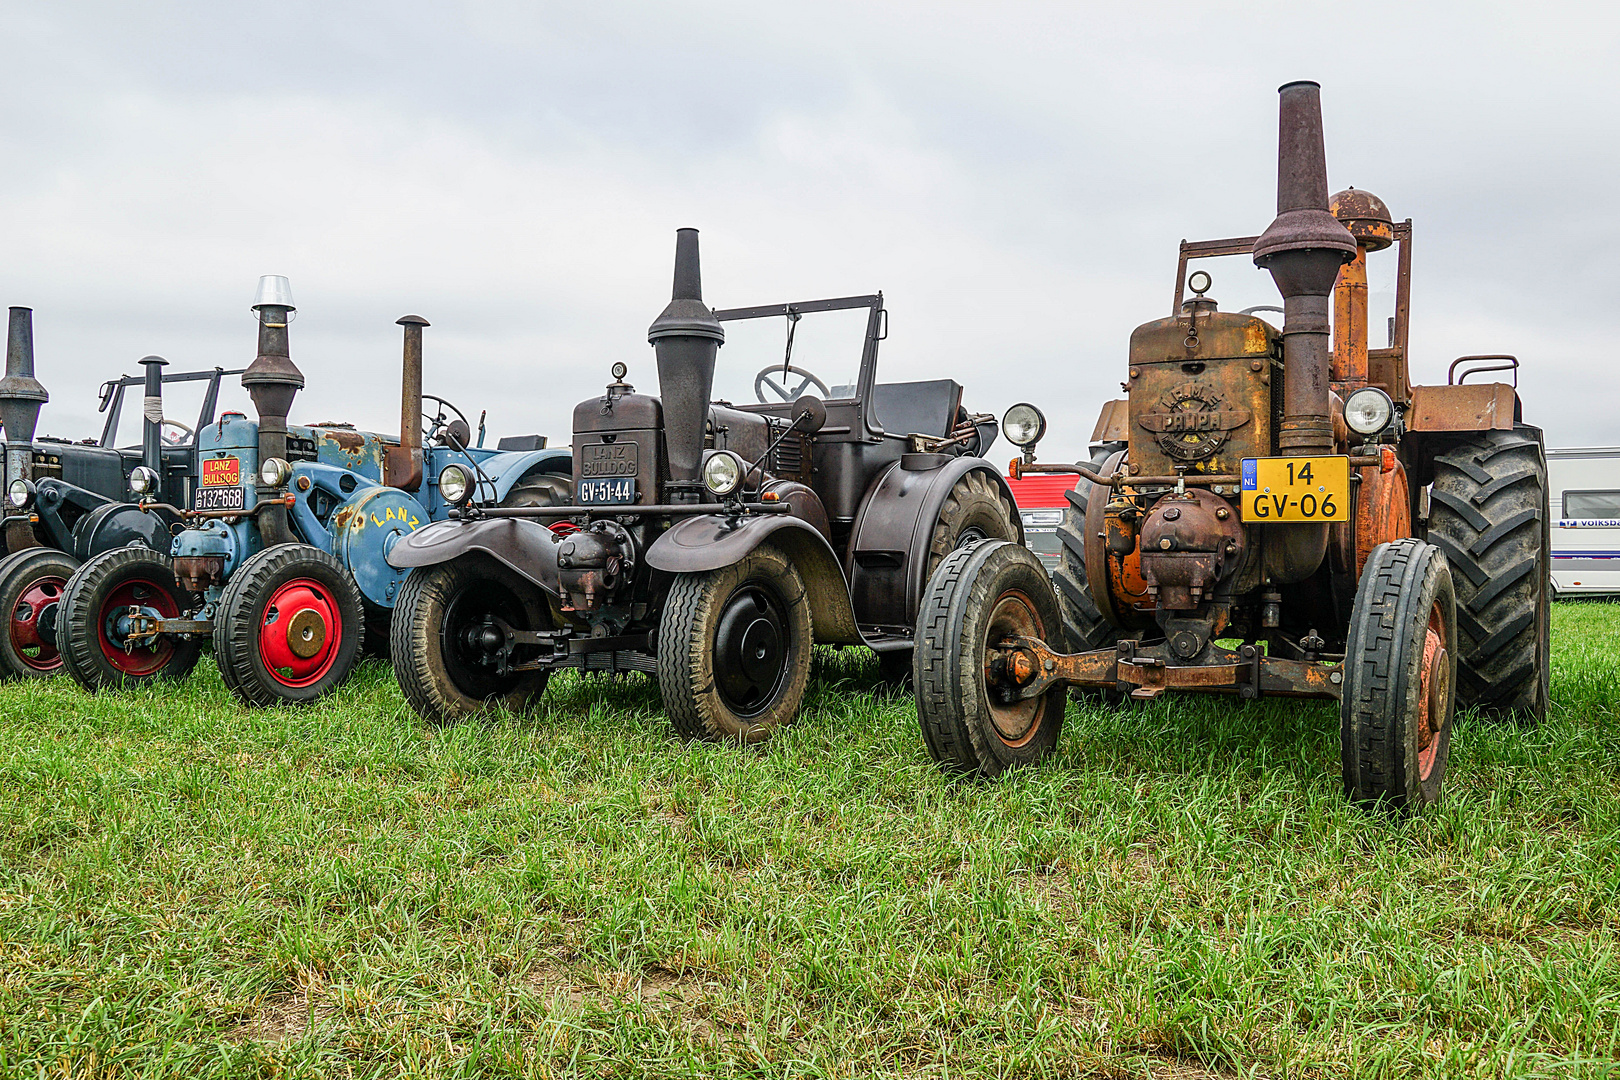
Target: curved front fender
525, 546
506, 468
708, 542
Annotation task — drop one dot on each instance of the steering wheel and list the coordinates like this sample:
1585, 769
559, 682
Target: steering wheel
806, 380
431, 427
176, 438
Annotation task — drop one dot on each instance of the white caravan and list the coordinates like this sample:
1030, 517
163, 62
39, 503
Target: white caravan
1584, 485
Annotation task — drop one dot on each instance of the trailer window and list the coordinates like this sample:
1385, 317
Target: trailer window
1592, 504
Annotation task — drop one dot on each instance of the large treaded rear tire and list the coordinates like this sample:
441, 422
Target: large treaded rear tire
1488, 512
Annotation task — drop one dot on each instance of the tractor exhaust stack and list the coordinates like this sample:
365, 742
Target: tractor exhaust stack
403, 464
1303, 249
687, 338
21, 396
273, 380
152, 414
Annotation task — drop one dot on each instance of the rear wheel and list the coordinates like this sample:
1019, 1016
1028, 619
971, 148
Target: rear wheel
31, 586
1488, 511
448, 633
734, 649
1083, 621
540, 489
979, 597
289, 626
99, 622
1400, 669
975, 509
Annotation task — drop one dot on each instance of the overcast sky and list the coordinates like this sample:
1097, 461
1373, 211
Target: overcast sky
1014, 177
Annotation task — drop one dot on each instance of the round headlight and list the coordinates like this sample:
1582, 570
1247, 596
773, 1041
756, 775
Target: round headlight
143, 481
274, 472
1023, 425
1368, 411
20, 494
455, 485
722, 472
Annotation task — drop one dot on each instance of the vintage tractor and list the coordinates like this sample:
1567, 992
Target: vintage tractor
282, 557
708, 543
69, 501
1283, 520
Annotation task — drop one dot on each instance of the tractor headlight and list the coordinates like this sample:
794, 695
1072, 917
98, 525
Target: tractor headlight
20, 494
143, 481
274, 472
723, 472
1368, 411
1023, 424
455, 484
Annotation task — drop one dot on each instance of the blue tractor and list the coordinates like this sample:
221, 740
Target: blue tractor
281, 559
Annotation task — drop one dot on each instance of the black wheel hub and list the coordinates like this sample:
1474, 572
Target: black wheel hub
750, 650
970, 536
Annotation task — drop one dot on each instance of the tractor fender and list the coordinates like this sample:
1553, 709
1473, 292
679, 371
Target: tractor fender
506, 469
709, 541
1464, 407
888, 547
528, 547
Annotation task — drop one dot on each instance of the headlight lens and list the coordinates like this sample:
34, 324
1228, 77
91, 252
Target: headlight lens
1368, 411
142, 481
20, 494
455, 484
1023, 425
274, 472
722, 472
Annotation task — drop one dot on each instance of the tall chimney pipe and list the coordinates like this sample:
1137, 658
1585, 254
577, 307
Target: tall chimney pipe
21, 395
687, 338
152, 414
272, 380
404, 462
1303, 249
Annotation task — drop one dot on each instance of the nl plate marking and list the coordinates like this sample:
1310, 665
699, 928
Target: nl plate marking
597, 492
1312, 489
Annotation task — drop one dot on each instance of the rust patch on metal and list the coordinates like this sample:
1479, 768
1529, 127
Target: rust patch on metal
1465, 407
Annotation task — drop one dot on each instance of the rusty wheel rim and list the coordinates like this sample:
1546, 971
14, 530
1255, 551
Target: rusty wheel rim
1013, 615
1434, 691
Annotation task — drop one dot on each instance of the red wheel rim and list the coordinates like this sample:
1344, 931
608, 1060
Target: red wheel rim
27, 643
151, 599
1434, 691
301, 633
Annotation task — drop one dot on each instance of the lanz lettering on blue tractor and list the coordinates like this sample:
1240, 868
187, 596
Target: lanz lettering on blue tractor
283, 557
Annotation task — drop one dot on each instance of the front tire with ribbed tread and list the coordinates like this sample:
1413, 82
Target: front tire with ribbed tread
122, 577
1489, 513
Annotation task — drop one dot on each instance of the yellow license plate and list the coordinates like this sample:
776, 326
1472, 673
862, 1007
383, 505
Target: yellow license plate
1296, 489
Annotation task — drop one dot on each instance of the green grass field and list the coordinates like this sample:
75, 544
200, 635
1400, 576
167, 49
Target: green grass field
189, 888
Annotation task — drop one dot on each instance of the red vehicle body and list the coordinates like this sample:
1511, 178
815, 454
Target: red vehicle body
1041, 500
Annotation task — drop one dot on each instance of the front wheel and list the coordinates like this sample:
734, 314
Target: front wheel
103, 623
980, 597
289, 626
31, 584
450, 644
734, 648
1400, 670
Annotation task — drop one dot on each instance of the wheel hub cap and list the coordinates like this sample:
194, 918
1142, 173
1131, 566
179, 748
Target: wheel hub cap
1434, 694
1015, 720
750, 651
301, 633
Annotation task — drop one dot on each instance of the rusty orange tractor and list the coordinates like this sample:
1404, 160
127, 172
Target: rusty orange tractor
1285, 518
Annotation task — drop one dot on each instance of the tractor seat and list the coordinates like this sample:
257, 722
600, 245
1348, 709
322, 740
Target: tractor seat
917, 408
